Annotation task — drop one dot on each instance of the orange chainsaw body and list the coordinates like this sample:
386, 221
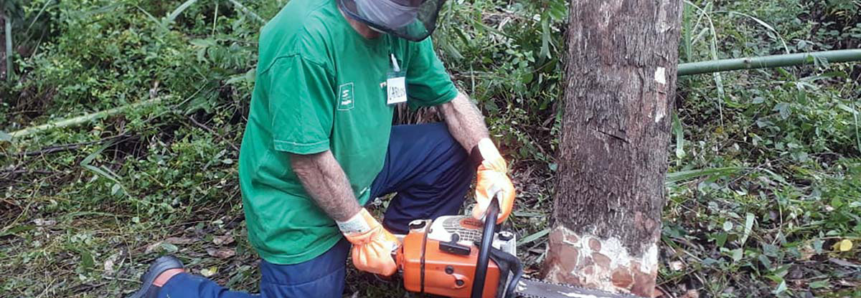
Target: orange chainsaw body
439, 267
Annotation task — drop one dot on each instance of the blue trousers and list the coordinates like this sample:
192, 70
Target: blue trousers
431, 174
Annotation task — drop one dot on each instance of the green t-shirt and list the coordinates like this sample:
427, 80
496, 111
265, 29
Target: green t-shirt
321, 86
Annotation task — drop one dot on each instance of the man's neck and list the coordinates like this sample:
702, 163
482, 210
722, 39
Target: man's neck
360, 27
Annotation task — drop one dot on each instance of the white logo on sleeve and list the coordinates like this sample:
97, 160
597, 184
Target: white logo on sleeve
346, 99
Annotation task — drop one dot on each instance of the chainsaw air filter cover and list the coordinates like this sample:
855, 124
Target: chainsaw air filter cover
439, 257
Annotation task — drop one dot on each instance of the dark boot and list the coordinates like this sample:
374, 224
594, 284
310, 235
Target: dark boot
159, 266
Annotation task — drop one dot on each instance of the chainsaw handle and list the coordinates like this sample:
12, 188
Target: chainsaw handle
484, 250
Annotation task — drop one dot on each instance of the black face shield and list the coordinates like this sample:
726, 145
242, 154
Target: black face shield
412, 20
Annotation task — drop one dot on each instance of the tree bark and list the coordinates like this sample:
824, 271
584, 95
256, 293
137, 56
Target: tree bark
621, 79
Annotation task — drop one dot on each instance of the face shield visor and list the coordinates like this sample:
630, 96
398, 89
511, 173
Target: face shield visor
412, 20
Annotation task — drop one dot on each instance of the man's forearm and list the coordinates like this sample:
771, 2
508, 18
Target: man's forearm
325, 181
464, 121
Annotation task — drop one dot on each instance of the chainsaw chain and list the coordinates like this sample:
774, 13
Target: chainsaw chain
576, 291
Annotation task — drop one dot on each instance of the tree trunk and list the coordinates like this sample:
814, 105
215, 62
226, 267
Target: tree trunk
621, 75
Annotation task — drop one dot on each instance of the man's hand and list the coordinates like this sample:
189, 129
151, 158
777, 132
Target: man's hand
372, 244
492, 179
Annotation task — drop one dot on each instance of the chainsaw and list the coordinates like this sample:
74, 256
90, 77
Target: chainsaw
460, 257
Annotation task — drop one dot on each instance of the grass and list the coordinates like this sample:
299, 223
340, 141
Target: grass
764, 184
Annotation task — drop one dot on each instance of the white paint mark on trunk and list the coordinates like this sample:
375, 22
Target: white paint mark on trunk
659, 113
660, 105
661, 76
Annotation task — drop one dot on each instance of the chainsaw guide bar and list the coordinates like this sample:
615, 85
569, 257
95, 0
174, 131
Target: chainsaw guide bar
530, 288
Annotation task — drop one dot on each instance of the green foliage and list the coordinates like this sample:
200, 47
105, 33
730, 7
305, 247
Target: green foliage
147, 169
793, 131
514, 76
765, 173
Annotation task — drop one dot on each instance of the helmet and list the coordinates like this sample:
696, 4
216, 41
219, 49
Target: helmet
412, 20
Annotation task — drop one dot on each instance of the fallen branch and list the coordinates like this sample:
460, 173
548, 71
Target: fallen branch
55, 149
40, 172
83, 119
11, 203
26, 171
68, 147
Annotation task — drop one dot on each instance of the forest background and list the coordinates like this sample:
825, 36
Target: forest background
764, 186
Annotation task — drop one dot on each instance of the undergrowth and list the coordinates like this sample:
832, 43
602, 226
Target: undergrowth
764, 190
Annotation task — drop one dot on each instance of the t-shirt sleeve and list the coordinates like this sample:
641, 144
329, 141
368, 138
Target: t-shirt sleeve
428, 84
301, 104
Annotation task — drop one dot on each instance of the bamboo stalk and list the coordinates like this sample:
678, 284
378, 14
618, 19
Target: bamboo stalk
10, 69
768, 62
82, 119
245, 9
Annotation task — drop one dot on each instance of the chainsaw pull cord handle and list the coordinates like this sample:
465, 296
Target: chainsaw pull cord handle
486, 244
